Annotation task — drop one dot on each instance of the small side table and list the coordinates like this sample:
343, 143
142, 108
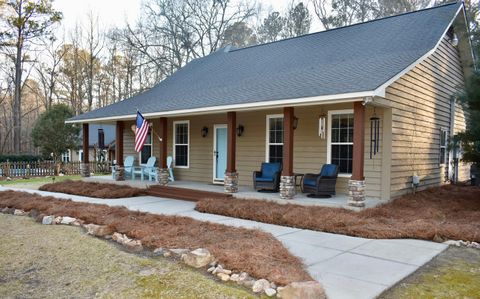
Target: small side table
298, 175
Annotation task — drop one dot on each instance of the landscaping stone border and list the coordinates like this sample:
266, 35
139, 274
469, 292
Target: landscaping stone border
198, 258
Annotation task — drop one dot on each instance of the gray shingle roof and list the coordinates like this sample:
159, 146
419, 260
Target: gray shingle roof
350, 59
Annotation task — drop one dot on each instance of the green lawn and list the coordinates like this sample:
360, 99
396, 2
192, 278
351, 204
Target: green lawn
59, 261
39, 180
455, 273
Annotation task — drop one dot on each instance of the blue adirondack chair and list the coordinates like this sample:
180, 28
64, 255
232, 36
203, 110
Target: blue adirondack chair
170, 169
128, 166
150, 170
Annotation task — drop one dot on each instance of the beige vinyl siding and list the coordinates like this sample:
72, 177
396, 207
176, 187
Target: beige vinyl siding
129, 142
420, 108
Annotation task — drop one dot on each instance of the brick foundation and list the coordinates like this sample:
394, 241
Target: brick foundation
230, 182
287, 187
85, 170
356, 193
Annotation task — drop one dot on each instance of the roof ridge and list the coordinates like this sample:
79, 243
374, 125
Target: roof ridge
351, 25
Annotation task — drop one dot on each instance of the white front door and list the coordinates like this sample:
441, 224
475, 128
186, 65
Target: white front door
219, 152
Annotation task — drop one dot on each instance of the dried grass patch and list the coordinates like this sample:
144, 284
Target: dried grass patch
239, 249
92, 189
449, 212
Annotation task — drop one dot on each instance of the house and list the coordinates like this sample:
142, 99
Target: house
101, 145
220, 116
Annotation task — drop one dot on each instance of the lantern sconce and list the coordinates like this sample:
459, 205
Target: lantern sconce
374, 134
204, 132
240, 130
295, 122
322, 120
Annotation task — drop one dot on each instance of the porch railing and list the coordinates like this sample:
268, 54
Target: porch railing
49, 168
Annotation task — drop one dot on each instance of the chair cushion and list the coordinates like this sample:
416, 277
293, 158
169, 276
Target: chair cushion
329, 170
310, 182
269, 169
264, 179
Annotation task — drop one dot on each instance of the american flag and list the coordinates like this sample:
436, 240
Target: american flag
141, 132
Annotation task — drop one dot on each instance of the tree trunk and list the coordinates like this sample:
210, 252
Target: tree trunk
17, 102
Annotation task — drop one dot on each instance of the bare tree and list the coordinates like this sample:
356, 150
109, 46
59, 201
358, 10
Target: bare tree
94, 45
171, 33
47, 71
24, 22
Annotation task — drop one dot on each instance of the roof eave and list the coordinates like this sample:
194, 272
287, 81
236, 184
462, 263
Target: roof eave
307, 101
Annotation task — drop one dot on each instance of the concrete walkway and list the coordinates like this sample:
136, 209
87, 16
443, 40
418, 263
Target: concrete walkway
347, 267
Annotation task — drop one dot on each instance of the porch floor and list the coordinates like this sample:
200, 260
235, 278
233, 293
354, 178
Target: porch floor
248, 193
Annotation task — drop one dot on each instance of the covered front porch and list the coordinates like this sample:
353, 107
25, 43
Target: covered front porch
219, 151
247, 193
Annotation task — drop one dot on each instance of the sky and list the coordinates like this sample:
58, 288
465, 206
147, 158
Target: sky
117, 12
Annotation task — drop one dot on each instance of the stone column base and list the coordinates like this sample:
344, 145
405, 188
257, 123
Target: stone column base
162, 176
85, 170
287, 187
230, 182
120, 174
356, 193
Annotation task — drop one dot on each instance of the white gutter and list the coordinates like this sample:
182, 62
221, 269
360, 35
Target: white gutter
308, 101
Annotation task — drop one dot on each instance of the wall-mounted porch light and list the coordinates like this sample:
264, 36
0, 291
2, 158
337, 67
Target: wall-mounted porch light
240, 130
204, 132
295, 122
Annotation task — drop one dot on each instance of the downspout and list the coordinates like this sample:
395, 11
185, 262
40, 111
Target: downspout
452, 167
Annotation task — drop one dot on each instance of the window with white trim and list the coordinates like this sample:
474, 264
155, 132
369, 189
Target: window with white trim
443, 146
147, 149
181, 136
274, 138
66, 156
341, 140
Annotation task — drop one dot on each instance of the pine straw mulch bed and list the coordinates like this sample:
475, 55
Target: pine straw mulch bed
92, 189
253, 251
438, 214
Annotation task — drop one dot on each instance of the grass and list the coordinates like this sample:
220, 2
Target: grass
40, 261
239, 249
455, 273
449, 212
39, 180
92, 189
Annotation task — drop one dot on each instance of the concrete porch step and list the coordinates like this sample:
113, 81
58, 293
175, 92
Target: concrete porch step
184, 193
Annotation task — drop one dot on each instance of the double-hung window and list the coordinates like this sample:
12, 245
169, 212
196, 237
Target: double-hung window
146, 152
181, 136
340, 140
66, 156
443, 146
274, 138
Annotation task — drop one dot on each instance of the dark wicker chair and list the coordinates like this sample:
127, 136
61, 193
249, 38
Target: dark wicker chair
268, 178
322, 184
